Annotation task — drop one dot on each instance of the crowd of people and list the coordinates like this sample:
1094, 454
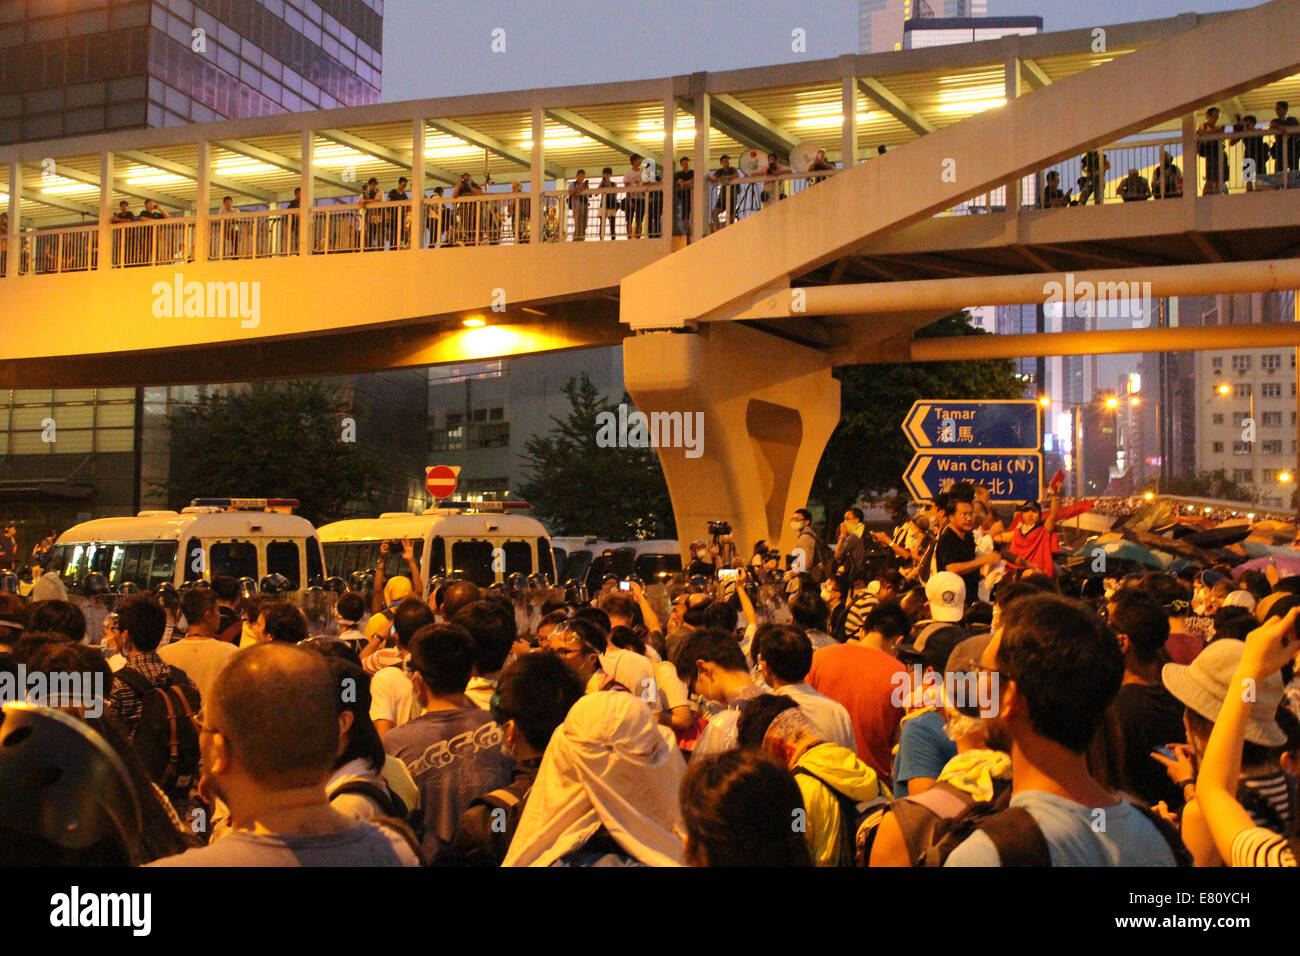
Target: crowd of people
943, 695
1276, 145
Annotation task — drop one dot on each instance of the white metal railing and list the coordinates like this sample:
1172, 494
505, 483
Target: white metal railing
486, 219
66, 249
602, 213
1248, 160
357, 227
1129, 171
153, 242
260, 234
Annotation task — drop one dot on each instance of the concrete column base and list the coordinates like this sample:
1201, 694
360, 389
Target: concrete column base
769, 407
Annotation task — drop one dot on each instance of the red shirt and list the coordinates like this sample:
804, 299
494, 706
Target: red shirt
864, 679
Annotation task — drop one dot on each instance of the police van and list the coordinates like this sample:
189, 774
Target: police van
241, 537
483, 542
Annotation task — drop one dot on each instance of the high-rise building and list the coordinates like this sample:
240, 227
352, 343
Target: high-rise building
1244, 400
882, 23
98, 65
943, 31
93, 66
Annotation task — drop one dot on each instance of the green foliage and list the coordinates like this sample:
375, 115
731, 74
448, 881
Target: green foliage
578, 487
868, 452
271, 440
1207, 484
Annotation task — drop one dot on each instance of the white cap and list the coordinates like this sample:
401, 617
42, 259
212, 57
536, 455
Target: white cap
946, 593
1240, 599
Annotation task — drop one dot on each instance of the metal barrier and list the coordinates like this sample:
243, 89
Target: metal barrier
603, 213
486, 219
153, 242
1130, 171
261, 234
69, 249
1255, 159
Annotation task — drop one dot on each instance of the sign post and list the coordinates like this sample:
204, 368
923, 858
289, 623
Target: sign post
993, 443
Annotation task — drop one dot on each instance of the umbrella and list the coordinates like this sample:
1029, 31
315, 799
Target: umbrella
1219, 537
1286, 566
1123, 549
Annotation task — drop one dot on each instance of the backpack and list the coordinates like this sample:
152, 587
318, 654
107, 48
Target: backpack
167, 735
821, 563
918, 818
852, 820
389, 803
1018, 838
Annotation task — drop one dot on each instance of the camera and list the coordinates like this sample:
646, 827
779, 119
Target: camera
717, 528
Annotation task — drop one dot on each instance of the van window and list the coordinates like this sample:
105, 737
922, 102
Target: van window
653, 566
315, 570
395, 565
236, 558
340, 558
131, 564
192, 565
472, 561
115, 565
438, 558
163, 566
519, 557
545, 560
58, 558
73, 570
282, 558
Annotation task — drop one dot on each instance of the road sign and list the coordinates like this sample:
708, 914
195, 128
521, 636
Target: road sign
440, 480
1010, 476
969, 426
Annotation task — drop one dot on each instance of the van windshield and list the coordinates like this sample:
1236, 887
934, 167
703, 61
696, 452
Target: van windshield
235, 558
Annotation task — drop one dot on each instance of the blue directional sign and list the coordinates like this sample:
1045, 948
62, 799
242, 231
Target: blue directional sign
969, 426
1010, 476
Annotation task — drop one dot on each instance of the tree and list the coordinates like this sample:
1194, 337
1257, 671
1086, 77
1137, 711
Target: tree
1207, 484
868, 452
271, 440
579, 487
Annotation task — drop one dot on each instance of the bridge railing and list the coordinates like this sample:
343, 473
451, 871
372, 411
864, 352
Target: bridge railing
360, 227
1248, 160
261, 234
603, 213
152, 242
488, 219
69, 249
744, 196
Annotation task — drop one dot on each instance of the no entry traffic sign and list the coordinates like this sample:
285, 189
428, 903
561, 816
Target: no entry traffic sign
440, 480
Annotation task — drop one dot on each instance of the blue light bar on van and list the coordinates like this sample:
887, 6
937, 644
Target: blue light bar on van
246, 504
488, 506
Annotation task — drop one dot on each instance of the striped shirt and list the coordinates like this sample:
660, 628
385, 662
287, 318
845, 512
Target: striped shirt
1259, 847
1273, 792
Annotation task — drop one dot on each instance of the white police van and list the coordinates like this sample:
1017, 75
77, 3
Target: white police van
483, 542
241, 537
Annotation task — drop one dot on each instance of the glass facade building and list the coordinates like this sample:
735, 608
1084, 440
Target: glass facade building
91, 66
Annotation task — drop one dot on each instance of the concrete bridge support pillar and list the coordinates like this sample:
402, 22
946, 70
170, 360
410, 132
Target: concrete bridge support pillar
768, 409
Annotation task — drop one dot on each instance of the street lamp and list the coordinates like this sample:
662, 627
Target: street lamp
1112, 402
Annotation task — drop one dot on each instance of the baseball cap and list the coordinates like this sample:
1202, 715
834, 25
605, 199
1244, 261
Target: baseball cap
1203, 684
1028, 506
946, 593
1240, 599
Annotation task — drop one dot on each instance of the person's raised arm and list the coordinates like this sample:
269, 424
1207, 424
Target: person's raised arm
746, 605
648, 614
1050, 524
377, 596
408, 553
1268, 647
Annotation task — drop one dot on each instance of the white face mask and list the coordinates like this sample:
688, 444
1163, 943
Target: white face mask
796, 525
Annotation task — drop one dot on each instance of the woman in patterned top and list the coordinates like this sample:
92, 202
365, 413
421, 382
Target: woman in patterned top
1236, 836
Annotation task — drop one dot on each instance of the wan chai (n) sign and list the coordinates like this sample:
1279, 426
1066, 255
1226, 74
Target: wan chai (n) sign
993, 443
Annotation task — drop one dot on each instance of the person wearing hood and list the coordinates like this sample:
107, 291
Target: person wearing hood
48, 587
606, 792
829, 776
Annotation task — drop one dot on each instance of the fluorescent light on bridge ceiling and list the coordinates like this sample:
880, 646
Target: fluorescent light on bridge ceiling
974, 93
836, 120
560, 142
972, 106
243, 165
69, 186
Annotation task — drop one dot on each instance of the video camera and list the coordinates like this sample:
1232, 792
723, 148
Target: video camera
718, 528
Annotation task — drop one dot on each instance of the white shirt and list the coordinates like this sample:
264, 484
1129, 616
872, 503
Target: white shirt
672, 690
392, 697
828, 716
201, 658
634, 672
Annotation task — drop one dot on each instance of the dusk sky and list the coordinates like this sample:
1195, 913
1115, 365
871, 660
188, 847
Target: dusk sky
440, 49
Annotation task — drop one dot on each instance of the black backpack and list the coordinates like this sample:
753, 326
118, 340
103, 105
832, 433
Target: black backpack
167, 735
1018, 838
851, 821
